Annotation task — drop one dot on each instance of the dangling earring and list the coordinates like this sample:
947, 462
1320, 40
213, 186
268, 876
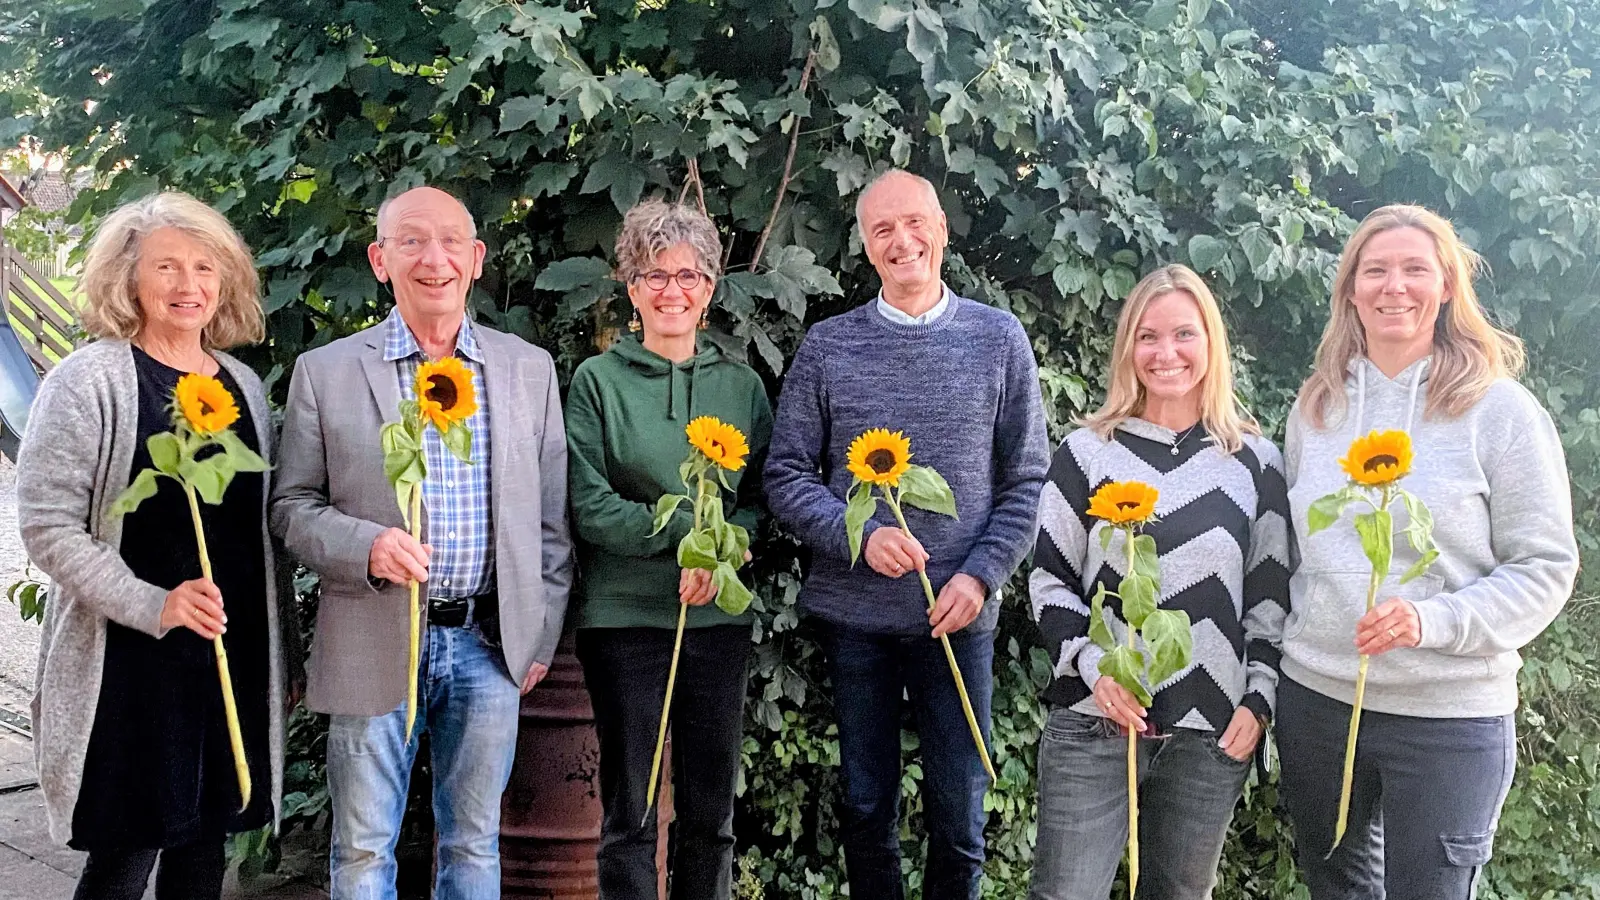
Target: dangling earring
705, 318
635, 325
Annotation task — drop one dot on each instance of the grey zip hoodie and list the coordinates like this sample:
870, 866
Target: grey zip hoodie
1495, 480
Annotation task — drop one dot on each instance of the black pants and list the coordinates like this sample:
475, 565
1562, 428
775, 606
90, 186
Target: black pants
626, 671
191, 872
1424, 802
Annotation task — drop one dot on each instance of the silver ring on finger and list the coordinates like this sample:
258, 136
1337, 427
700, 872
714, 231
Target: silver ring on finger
1392, 635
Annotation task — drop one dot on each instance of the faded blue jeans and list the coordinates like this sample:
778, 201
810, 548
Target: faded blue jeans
468, 704
872, 677
1187, 791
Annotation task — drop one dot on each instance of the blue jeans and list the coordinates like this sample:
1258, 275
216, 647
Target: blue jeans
871, 675
1424, 803
468, 704
1187, 791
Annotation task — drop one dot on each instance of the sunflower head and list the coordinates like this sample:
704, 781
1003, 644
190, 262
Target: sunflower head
880, 457
1379, 458
445, 393
1124, 503
721, 443
204, 404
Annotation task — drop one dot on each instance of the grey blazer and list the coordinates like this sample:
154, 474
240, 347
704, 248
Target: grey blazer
73, 463
331, 501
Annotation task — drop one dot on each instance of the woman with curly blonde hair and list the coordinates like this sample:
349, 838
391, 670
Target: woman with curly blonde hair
1408, 346
131, 741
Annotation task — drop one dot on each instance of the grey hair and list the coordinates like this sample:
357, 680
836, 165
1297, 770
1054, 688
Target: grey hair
383, 209
653, 226
110, 304
925, 184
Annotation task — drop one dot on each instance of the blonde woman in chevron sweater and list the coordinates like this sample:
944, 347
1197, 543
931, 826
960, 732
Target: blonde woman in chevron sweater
1169, 420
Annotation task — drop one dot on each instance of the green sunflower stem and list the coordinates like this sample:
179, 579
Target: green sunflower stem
1133, 768
230, 707
949, 652
672, 673
414, 646
1355, 725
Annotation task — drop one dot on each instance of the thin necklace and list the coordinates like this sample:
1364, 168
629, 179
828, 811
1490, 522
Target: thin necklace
1182, 437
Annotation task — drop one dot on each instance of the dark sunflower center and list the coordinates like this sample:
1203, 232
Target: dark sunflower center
1127, 505
720, 450
881, 461
205, 408
1382, 459
442, 390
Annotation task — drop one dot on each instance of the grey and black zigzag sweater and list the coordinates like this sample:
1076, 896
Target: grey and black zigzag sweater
1223, 540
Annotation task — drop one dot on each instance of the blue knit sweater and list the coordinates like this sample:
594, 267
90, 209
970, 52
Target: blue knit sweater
964, 388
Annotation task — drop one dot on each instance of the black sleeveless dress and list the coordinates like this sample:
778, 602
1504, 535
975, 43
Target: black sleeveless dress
159, 769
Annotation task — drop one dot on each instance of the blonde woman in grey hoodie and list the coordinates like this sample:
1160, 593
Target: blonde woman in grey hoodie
1409, 347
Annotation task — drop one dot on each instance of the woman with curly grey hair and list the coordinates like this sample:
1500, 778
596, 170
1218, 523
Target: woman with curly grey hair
133, 750
626, 413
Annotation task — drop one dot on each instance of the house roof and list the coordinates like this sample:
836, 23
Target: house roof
10, 197
48, 190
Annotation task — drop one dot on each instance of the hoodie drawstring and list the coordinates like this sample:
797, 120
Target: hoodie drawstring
1411, 396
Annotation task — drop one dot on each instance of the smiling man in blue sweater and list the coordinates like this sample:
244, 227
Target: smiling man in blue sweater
959, 378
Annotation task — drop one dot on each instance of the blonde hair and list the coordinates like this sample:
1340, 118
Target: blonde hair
1469, 352
110, 303
1225, 420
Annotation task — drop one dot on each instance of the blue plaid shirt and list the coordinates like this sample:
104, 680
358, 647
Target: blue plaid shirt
460, 521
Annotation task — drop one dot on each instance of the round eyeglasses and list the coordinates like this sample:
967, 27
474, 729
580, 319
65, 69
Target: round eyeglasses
657, 279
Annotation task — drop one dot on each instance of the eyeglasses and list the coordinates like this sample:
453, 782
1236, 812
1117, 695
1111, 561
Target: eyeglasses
657, 279
409, 244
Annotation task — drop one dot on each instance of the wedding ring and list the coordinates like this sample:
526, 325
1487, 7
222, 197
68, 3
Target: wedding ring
1392, 635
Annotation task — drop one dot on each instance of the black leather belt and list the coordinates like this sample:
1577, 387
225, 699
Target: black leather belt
455, 612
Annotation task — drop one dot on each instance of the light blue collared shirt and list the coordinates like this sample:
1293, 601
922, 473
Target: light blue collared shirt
895, 315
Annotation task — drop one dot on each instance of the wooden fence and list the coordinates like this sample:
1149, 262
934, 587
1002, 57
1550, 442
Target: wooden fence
40, 314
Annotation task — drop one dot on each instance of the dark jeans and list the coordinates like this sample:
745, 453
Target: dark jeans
191, 872
626, 671
1424, 804
871, 675
1187, 791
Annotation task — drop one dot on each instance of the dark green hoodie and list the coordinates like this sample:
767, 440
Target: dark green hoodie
626, 412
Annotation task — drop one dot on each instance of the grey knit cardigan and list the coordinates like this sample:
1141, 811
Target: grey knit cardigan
73, 463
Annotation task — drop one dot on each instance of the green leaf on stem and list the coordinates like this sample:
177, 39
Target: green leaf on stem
722, 478
1420, 566
396, 436
1106, 534
1419, 527
686, 472
1099, 628
1145, 560
458, 440
665, 507
698, 550
1123, 664
863, 503
731, 547
733, 597
165, 452
1138, 595
925, 488
1170, 642
1376, 529
1326, 511
404, 466
142, 488
411, 416
206, 478
240, 456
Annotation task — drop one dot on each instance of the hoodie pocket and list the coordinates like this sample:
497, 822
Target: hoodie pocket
1325, 607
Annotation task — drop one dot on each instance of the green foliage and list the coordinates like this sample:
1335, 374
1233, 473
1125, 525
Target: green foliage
1075, 145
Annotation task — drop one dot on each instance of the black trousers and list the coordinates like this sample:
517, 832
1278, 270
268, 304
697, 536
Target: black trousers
191, 872
626, 672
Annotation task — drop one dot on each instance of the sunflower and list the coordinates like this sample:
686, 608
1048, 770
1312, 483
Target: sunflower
722, 443
445, 392
879, 456
1380, 458
1124, 503
204, 404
